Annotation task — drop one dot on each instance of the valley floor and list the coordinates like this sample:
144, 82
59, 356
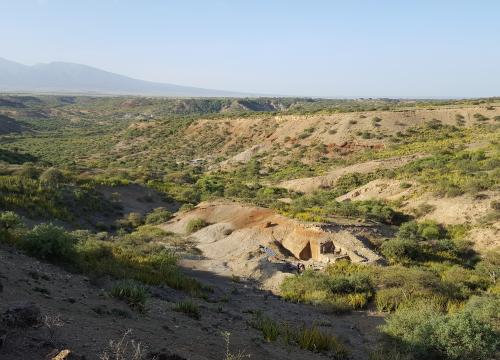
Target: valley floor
89, 318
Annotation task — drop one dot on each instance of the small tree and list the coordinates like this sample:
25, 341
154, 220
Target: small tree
52, 177
463, 336
9, 220
490, 265
400, 250
49, 242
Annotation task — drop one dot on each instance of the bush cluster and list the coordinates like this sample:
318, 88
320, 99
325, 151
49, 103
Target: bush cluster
342, 287
422, 330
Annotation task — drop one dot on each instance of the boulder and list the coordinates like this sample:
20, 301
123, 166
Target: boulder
62, 355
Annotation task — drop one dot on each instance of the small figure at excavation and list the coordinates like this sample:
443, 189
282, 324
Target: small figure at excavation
300, 268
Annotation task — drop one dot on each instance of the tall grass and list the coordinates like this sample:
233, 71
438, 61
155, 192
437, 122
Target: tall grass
308, 338
134, 294
189, 308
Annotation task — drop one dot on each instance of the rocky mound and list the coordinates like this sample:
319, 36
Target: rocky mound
232, 242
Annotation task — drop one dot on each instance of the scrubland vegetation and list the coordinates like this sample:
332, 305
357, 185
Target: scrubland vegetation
133, 256
307, 338
440, 297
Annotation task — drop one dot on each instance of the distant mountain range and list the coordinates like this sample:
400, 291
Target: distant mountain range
62, 77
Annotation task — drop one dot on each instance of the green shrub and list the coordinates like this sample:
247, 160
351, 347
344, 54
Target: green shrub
322, 204
397, 284
490, 265
459, 119
158, 216
186, 207
462, 335
29, 171
485, 309
399, 250
434, 124
341, 288
134, 294
409, 231
307, 338
9, 220
50, 242
131, 221
423, 209
338, 304
466, 279
366, 135
430, 230
194, 225
315, 340
426, 230
454, 173
189, 308
412, 327
388, 300
480, 117
136, 256
421, 330
348, 284
357, 300
269, 328
52, 177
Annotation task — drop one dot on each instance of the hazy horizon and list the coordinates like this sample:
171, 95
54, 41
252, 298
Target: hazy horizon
286, 48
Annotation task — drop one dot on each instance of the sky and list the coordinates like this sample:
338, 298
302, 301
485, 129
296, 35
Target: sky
356, 48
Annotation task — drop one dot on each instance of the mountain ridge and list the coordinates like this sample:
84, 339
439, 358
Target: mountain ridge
66, 77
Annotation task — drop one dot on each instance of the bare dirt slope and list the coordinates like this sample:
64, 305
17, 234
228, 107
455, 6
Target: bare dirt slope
136, 198
462, 209
307, 185
89, 318
230, 243
237, 138
384, 189
466, 209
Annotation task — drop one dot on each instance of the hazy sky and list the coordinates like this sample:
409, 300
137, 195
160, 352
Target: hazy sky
399, 48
